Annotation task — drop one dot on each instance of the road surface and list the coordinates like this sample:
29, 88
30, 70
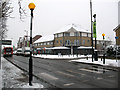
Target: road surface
65, 74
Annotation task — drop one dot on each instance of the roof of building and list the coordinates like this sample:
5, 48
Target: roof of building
36, 37
116, 28
69, 26
45, 39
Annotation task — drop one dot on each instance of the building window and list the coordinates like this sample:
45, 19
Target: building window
67, 34
45, 43
51, 43
88, 41
55, 35
67, 42
76, 42
60, 41
48, 43
83, 42
84, 34
60, 35
57, 41
89, 35
76, 34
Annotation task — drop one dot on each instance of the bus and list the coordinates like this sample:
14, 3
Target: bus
7, 51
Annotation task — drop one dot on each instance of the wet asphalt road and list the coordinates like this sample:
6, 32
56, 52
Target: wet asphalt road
65, 74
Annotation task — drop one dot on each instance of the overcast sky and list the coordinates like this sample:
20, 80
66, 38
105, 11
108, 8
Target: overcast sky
51, 15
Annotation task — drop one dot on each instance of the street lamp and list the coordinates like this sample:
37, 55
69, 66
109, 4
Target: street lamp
95, 36
91, 29
103, 48
31, 7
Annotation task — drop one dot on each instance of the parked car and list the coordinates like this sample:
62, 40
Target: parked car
14, 52
19, 51
26, 51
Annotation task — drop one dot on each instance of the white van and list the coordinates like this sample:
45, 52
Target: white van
26, 51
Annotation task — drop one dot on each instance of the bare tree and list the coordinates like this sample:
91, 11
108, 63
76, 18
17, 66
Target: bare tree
21, 10
5, 11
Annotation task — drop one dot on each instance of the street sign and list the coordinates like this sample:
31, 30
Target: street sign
6, 42
94, 30
116, 37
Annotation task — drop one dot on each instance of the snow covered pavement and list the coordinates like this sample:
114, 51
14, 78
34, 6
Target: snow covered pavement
79, 58
108, 62
60, 56
13, 77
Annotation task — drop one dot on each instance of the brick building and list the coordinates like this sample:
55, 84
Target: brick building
68, 40
117, 31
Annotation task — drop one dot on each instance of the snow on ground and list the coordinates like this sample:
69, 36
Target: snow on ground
108, 62
60, 56
13, 77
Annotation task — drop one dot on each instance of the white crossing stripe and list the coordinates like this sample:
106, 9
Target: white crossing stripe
48, 76
65, 74
99, 78
75, 72
83, 69
68, 84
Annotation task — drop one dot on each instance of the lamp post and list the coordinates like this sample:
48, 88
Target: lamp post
31, 7
95, 36
103, 48
91, 29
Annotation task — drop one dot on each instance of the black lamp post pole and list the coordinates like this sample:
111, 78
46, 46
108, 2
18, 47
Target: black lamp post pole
95, 35
91, 29
30, 60
103, 50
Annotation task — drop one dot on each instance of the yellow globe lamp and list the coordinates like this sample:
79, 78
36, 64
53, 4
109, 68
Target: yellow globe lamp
31, 6
103, 34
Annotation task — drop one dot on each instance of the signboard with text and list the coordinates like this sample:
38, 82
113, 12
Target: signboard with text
6, 42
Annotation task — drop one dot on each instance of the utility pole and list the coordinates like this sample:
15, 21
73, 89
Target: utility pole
31, 7
91, 29
95, 36
103, 48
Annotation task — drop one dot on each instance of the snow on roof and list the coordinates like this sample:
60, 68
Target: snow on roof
19, 49
69, 26
83, 47
45, 39
61, 48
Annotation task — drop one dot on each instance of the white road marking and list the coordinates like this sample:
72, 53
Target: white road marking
99, 78
65, 74
111, 76
48, 76
83, 69
68, 84
75, 72
100, 69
